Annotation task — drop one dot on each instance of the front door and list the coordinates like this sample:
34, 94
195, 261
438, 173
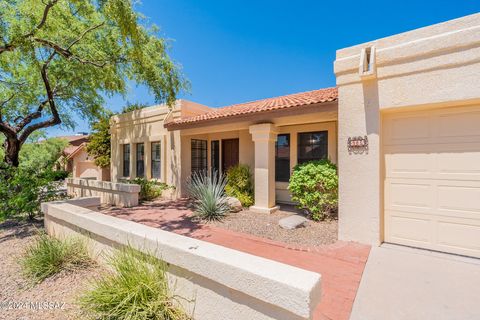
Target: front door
229, 154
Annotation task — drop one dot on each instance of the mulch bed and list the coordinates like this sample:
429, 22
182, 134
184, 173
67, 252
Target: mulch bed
266, 226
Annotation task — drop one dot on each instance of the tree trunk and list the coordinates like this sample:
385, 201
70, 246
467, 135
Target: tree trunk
12, 150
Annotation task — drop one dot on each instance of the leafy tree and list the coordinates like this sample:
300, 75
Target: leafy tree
99, 145
132, 107
61, 57
39, 151
37, 154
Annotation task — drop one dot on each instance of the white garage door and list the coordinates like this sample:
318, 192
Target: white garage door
432, 179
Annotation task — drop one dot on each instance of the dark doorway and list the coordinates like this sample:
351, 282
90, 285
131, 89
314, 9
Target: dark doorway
229, 154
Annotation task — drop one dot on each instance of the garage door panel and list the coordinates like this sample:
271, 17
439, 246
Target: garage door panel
408, 228
461, 125
409, 196
459, 200
407, 129
432, 179
460, 163
459, 236
408, 164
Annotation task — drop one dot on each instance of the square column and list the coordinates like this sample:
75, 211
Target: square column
264, 136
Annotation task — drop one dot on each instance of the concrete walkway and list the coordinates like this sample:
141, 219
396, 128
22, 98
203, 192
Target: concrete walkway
405, 283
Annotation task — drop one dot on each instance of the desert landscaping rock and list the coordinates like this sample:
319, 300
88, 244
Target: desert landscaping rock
235, 204
293, 222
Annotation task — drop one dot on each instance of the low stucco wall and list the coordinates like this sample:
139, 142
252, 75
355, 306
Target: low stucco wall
216, 282
114, 193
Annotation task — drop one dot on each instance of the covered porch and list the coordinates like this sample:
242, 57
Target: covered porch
271, 142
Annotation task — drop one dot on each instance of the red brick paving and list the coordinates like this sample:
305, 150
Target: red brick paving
340, 264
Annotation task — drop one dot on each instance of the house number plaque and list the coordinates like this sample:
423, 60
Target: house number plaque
357, 144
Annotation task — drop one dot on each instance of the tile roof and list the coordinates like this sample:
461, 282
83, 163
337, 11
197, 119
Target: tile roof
270, 104
70, 151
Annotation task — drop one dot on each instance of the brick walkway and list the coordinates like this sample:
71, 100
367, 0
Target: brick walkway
340, 264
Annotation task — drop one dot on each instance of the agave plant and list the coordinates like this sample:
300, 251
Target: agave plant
208, 191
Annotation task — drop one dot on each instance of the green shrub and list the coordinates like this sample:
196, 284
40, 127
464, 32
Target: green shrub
314, 185
208, 191
240, 184
149, 189
47, 256
136, 288
22, 190
58, 175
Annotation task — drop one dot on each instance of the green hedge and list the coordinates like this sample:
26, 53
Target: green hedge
149, 189
314, 186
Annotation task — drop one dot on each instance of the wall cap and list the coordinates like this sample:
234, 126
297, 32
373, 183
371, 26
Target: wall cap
104, 185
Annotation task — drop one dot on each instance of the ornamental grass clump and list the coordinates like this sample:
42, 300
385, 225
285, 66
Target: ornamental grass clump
208, 191
136, 287
314, 186
48, 256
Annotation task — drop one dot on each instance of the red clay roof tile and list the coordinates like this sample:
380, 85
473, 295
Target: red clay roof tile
270, 104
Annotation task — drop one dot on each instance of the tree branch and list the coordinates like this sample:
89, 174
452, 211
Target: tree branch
66, 53
84, 33
55, 119
32, 116
48, 6
3, 103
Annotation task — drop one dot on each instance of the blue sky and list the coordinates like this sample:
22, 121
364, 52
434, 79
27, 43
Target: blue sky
236, 51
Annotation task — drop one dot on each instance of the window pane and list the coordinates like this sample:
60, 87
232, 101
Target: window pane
215, 156
282, 158
156, 162
312, 146
140, 160
199, 156
126, 160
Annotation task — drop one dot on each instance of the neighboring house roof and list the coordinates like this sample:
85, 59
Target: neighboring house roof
75, 140
265, 105
71, 151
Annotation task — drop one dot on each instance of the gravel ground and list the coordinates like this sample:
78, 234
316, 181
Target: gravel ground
266, 226
18, 296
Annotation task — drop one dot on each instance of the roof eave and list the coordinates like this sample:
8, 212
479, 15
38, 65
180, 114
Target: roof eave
172, 126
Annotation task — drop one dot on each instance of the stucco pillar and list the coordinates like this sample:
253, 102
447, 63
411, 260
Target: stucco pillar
133, 158
264, 136
147, 159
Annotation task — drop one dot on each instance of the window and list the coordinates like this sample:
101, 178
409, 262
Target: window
140, 160
126, 160
215, 156
199, 156
156, 162
282, 158
312, 146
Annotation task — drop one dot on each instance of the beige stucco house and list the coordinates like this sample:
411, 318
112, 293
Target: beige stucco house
403, 125
76, 160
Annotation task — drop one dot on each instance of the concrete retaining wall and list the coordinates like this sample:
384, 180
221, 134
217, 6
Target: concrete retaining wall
119, 194
220, 283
